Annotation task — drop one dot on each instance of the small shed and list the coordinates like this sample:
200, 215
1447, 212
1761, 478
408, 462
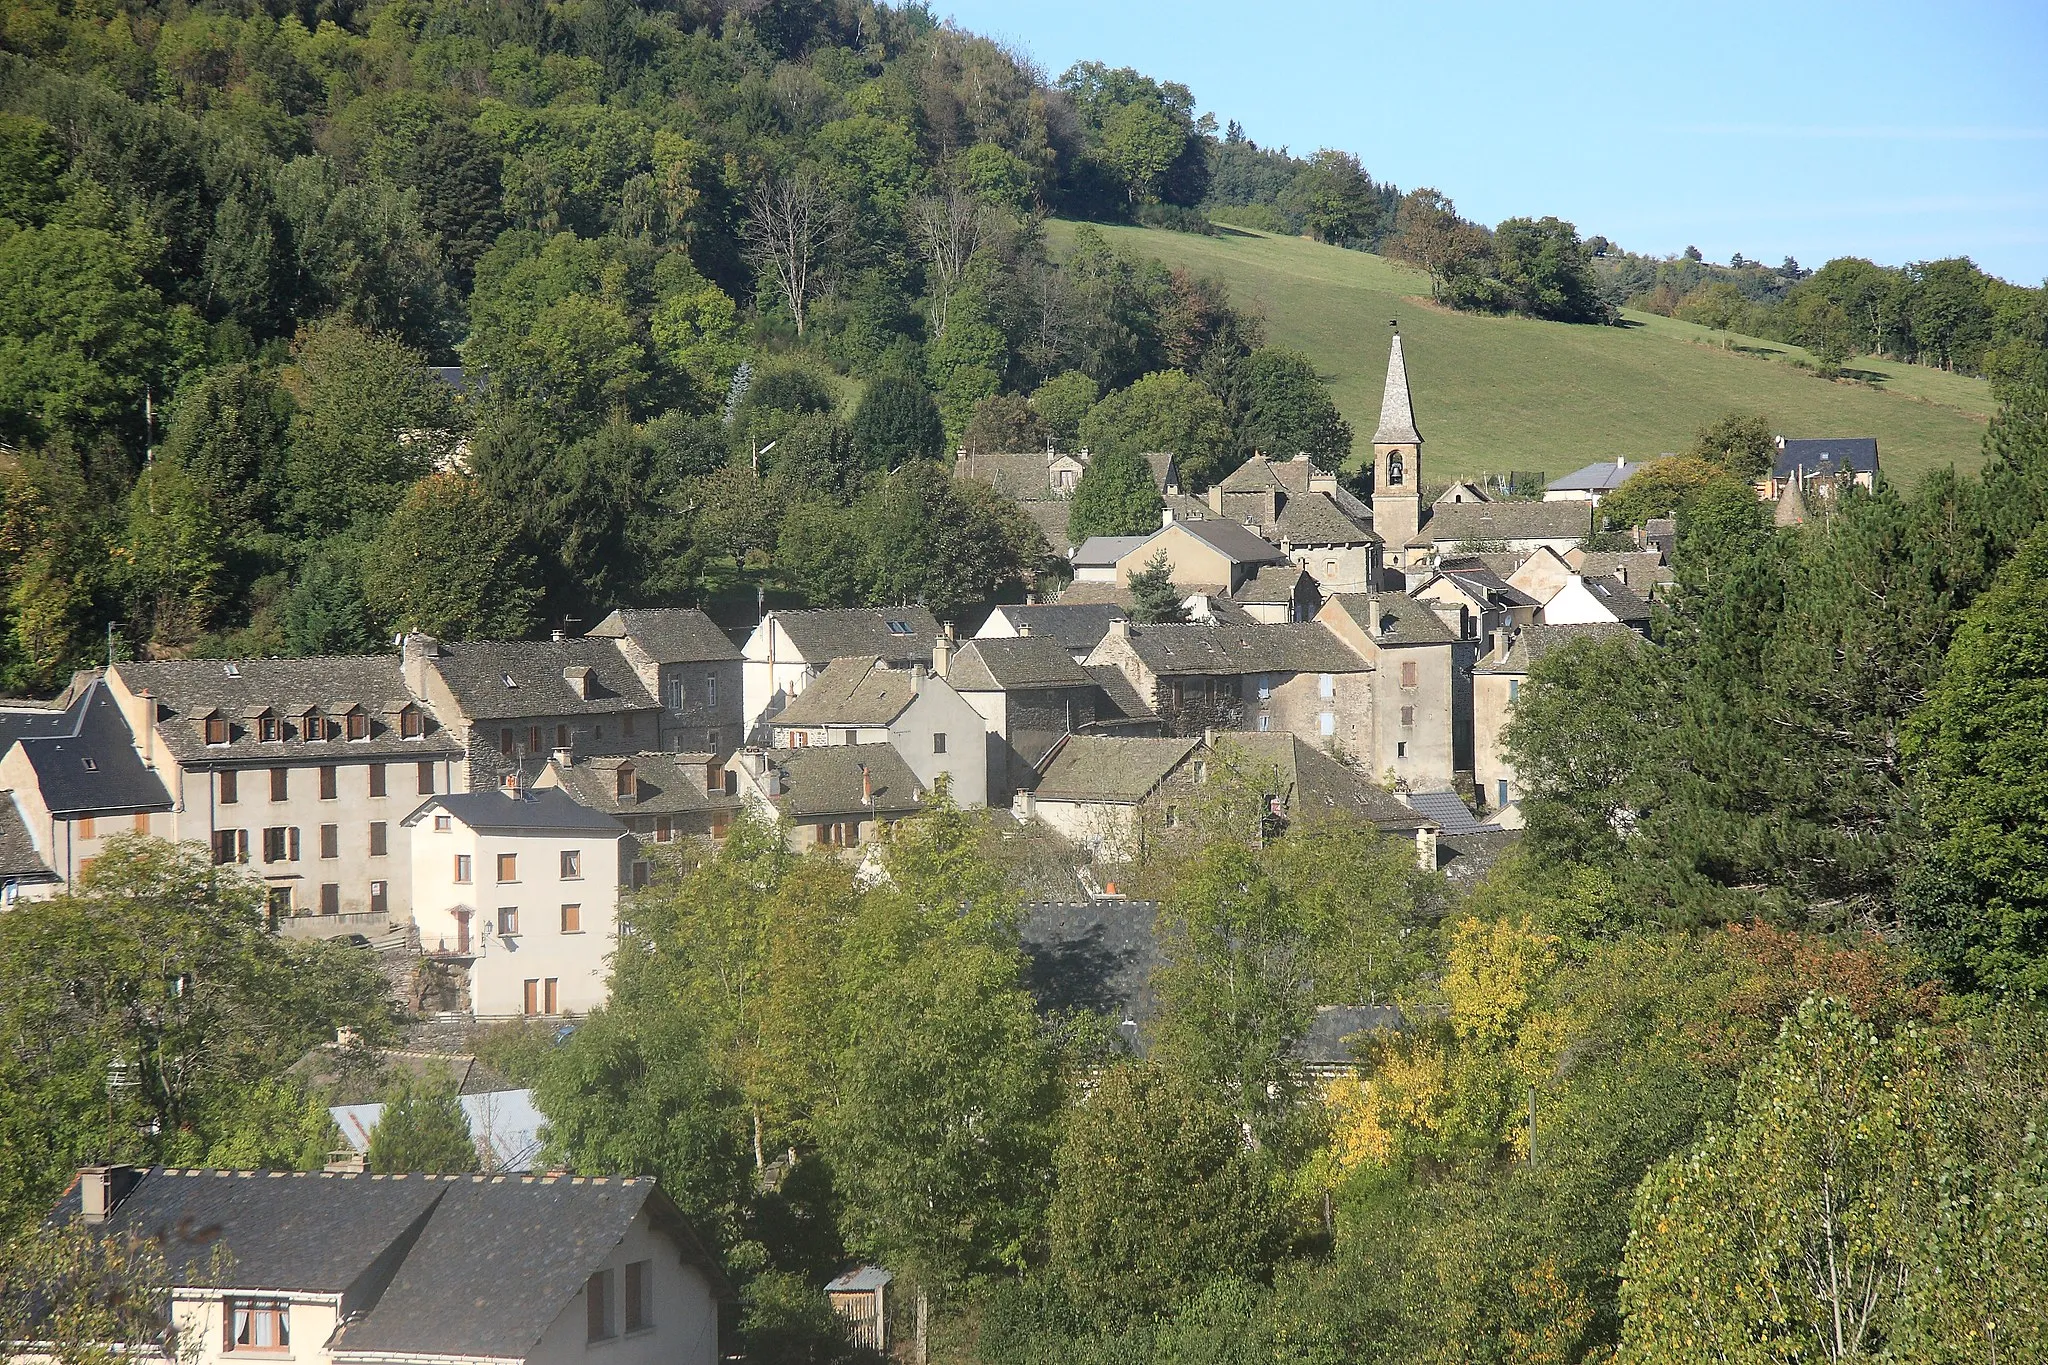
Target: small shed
857, 1296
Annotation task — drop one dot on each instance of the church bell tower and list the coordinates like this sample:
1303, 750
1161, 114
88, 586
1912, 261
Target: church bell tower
1397, 464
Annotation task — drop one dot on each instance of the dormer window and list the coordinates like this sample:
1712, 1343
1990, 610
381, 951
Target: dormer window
312, 727
411, 725
624, 784
358, 724
216, 729
266, 728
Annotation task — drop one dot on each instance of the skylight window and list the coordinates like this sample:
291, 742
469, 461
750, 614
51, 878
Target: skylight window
91, 765
899, 627
508, 680
232, 670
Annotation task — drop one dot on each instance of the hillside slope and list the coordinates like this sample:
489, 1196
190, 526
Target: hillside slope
1496, 394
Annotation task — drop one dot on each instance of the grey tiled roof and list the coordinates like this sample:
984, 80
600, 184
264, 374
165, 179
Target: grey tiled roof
1458, 523
1397, 409
1050, 516
1448, 809
1078, 626
1403, 620
187, 690
539, 810
1220, 650
1316, 519
1465, 858
1164, 469
1603, 476
1644, 568
1095, 956
91, 766
1100, 768
823, 782
1233, 541
1627, 607
18, 858
851, 691
1316, 782
843, 632
359, 1075
1005, 665
671, 635
1103, 552
1271, 584
663, 784
1484, 585
1531, 643
1024, 475
1122, 698
1832, 455
505, 679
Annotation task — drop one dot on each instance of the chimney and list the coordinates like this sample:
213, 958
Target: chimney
1372, 613
556, 636
1209, 737
413, 653
1120, 627
1216, 498
1023, 807
942, 654
867, 787
102, 1188
148, 728
511, 787
1165, 517
565, 758
1425, 848
1023, 629
1621, 462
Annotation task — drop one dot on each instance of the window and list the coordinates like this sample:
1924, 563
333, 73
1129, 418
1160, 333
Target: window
142, 822
839, 833
533, 739
532, 1002
508, 867
330, 841
230, 787
312, 727
281, 844
561, 737
380, 898
330, 898
443, 823
1501, 793
624, 787
664, 829
639, 1296
1407, 715
1408, 673
1395, 471
641, 874
258, 1325
378, 783
410, 723
1326, 686
216, 729
1514, 689
1265, 723
87, 826
597, 1295
939, 742
572, 864
1173, 817
626, 724
713, 740
572, 919
462, 869
266, 729
380, 839
279, 900
230, 846
1265, 687
547, 996
1201, 770
1326, 724
1401, 749
280, 783
329, 783
677, 694
426, 778
508, 921
358, 725
710, 689
508, 741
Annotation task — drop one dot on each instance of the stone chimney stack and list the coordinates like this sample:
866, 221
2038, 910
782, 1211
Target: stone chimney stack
942, 653
101, 1190
1425, 848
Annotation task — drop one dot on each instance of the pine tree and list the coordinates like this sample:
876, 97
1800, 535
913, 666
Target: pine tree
421, 1130
1154, 598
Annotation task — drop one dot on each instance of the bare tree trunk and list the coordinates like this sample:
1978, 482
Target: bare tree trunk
792, 221
947, 230
922, 1347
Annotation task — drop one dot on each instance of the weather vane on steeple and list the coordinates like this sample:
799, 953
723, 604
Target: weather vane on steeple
1394, 323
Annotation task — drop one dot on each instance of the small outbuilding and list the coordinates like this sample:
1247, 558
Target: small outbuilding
858, 1296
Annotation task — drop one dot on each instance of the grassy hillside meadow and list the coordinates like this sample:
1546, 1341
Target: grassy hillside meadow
1496, 394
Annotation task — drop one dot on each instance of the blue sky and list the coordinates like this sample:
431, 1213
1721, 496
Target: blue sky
1808, 129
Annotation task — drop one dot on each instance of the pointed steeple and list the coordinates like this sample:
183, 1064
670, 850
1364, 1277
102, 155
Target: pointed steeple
1397, 410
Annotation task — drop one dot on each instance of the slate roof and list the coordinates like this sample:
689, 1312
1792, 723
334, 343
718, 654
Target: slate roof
1602, 476
1233, 541
1096, 956
1270, 585
1448, 809
1103, 552
1327, 1041
670, 635
544, 810
1164, 473
19, 861
286, 1231
1078, 626
1455, 523
1830, 455
1403, 620
850, 691
1315, 782
477, 672
27, 720
1499, 563
89, 765
825, 781
1096, 594
186, 690
1050, 516
861, 1280
900, 635
1617, 597
1465, 858
501, 1259
1644, 568
1122, 698
1397, 408
1113, 770
1484, 585
1010, 665
663, 784
1316, 519
1021, 475
1531, 643
1302, 647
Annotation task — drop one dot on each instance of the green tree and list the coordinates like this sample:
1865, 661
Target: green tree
1163, 412
421, 1130
1791, 1232
1742, 443
370, 420
897, 423
1157, 1196
448, 563
171, 559
1335, 197
1659, 489
1155, 598
1062, 403
324, 612
1116, 497
97, 1298
1003, 423
226, 431
1141, 141
1280, 406
1544, 271
1980, 900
